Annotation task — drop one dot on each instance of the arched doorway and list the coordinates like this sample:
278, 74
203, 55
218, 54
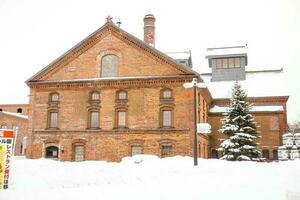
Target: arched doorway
51, 152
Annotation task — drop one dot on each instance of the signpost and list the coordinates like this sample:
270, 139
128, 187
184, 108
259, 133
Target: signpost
6, 148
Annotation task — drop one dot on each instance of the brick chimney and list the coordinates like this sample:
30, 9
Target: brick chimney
149, 29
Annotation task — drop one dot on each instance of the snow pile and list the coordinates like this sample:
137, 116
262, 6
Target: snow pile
148, 177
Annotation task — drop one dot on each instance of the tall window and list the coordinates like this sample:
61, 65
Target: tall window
121, 118
94, 119
167, 118
166, 150
53, 119
109, 66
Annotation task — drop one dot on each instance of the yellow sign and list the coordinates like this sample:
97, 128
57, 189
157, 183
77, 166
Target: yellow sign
6, 144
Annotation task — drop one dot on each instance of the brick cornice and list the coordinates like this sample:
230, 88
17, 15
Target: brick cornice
110, 83
113, 131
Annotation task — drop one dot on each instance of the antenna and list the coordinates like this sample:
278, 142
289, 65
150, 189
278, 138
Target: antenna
119, 22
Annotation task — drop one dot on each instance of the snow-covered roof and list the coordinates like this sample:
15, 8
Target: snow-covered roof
258, 108
226, 51
184, 55
15, 114
267, 83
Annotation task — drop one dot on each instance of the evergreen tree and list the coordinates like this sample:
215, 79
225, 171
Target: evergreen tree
239, 128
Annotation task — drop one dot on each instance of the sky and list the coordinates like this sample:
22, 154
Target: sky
35, 32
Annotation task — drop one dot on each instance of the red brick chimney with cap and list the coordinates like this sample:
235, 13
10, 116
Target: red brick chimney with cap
149, 29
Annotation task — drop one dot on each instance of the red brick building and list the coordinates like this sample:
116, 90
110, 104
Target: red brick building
14, 116
113, 95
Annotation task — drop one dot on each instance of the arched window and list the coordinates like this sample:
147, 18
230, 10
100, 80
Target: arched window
95, 96
54, 97
52, 152
122, 95
4, 126
79, 151
19, 110
109, 66
93, 118
166, 94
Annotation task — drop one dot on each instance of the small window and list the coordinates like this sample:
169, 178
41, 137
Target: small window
78, 153
231, 63
94, 119
214, 153
19, 110
1, 109
219, 63
237, 62
136, 150
121, 118
275, 154
4, 126
53, 120
122, 95
54, 97
266, 153
167, 118
167, 94
166, 150
95, 96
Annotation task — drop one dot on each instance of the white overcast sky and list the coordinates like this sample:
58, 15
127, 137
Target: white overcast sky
35, 32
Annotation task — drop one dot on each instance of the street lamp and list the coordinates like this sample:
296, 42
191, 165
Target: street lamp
194, 85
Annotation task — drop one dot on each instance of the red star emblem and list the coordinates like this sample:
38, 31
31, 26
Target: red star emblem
109, 18
151, 37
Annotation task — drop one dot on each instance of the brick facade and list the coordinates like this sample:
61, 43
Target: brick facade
142, 73
11, 121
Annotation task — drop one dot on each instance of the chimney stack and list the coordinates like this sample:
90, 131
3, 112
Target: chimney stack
149, 29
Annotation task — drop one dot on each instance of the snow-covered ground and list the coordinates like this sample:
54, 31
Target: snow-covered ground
149, 177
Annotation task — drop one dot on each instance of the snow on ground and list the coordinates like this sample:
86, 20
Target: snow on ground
149, 177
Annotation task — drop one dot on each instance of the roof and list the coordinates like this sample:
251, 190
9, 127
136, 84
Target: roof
14, 114
183, 55
258, 108
267, 83
226, 51
110, 25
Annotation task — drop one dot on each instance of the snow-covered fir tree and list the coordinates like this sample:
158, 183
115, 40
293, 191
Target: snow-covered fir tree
239, 128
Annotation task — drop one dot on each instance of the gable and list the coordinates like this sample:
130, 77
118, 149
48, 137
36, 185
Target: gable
135, 58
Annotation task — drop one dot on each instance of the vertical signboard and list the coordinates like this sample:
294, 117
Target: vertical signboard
6, 144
